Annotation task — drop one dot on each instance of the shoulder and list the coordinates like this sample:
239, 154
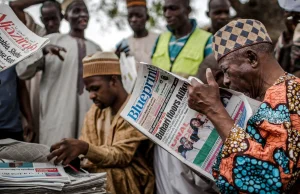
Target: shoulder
93, 44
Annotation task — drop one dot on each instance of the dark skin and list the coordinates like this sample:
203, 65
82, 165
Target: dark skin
219, 13
177, 13
291, 20
25, 108
78, 17
105, 91
245, 73
210, 62
137, 18
51, 16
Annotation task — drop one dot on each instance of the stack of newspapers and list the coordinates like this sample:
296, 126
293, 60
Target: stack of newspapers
33, 174
27, 177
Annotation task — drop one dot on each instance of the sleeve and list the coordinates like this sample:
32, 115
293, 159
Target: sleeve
27, 68
266, 165
208, 47
126, 141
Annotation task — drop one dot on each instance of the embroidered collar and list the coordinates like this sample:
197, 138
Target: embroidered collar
284, 78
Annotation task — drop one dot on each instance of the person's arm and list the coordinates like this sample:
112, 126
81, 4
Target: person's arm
205, 99
19, 6
27, 68
120, 154
26, 110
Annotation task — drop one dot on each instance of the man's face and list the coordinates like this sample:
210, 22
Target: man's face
239, 75
219, 13
196, 123
101, 92
187, 144
78, 16
51, 18
137, 18
176, 13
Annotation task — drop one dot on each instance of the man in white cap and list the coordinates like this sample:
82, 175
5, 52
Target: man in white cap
63, 101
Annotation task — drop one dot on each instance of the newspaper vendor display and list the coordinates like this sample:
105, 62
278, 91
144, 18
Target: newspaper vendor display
17, 42
158, 108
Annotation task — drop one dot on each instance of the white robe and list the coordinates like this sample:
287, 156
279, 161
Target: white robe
174, 177
62, 110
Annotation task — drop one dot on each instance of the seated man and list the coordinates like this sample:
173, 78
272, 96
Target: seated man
109, 143
264, 157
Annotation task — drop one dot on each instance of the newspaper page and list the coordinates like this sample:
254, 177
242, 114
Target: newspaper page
28, 172
17, 42
129, 73
21, 151
159, 108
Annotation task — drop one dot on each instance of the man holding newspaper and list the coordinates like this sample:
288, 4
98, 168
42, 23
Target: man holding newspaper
264, 157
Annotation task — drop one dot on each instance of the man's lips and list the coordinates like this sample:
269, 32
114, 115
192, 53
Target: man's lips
83, 21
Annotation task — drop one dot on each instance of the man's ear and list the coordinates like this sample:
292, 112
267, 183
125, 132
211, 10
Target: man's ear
114, 80
189, 10
148, 17
207, 14
252, 58
66, 16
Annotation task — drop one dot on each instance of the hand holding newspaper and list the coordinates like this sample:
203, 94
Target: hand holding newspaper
17, 42
158, 107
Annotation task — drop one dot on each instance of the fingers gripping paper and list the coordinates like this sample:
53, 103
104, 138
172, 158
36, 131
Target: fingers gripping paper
159, 109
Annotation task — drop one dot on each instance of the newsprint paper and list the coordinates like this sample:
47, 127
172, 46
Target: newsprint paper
158, 107
17, 42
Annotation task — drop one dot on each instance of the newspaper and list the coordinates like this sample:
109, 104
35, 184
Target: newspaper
25, 169
159, 109
21, 151
17, 42
129, 72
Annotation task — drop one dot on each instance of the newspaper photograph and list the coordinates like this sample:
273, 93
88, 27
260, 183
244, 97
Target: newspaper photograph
158, 107
17, 42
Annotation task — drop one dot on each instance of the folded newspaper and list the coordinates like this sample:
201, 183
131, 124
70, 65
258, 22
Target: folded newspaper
17, 42
25, 169
158, 107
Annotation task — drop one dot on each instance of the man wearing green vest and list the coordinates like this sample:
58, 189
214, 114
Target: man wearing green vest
181, 51
184, 46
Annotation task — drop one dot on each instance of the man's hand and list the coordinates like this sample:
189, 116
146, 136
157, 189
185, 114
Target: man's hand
67, 150
124, 50
28, 132
205, 98
54, 50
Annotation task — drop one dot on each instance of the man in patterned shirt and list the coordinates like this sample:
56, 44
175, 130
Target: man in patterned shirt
264, 157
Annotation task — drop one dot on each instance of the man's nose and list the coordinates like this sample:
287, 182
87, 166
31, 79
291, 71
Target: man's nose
167, 13
83, 14
92, 95
224, 16
226, 81
133, 19
51, 23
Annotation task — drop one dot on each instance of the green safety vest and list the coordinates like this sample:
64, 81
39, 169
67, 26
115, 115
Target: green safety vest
187, 62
